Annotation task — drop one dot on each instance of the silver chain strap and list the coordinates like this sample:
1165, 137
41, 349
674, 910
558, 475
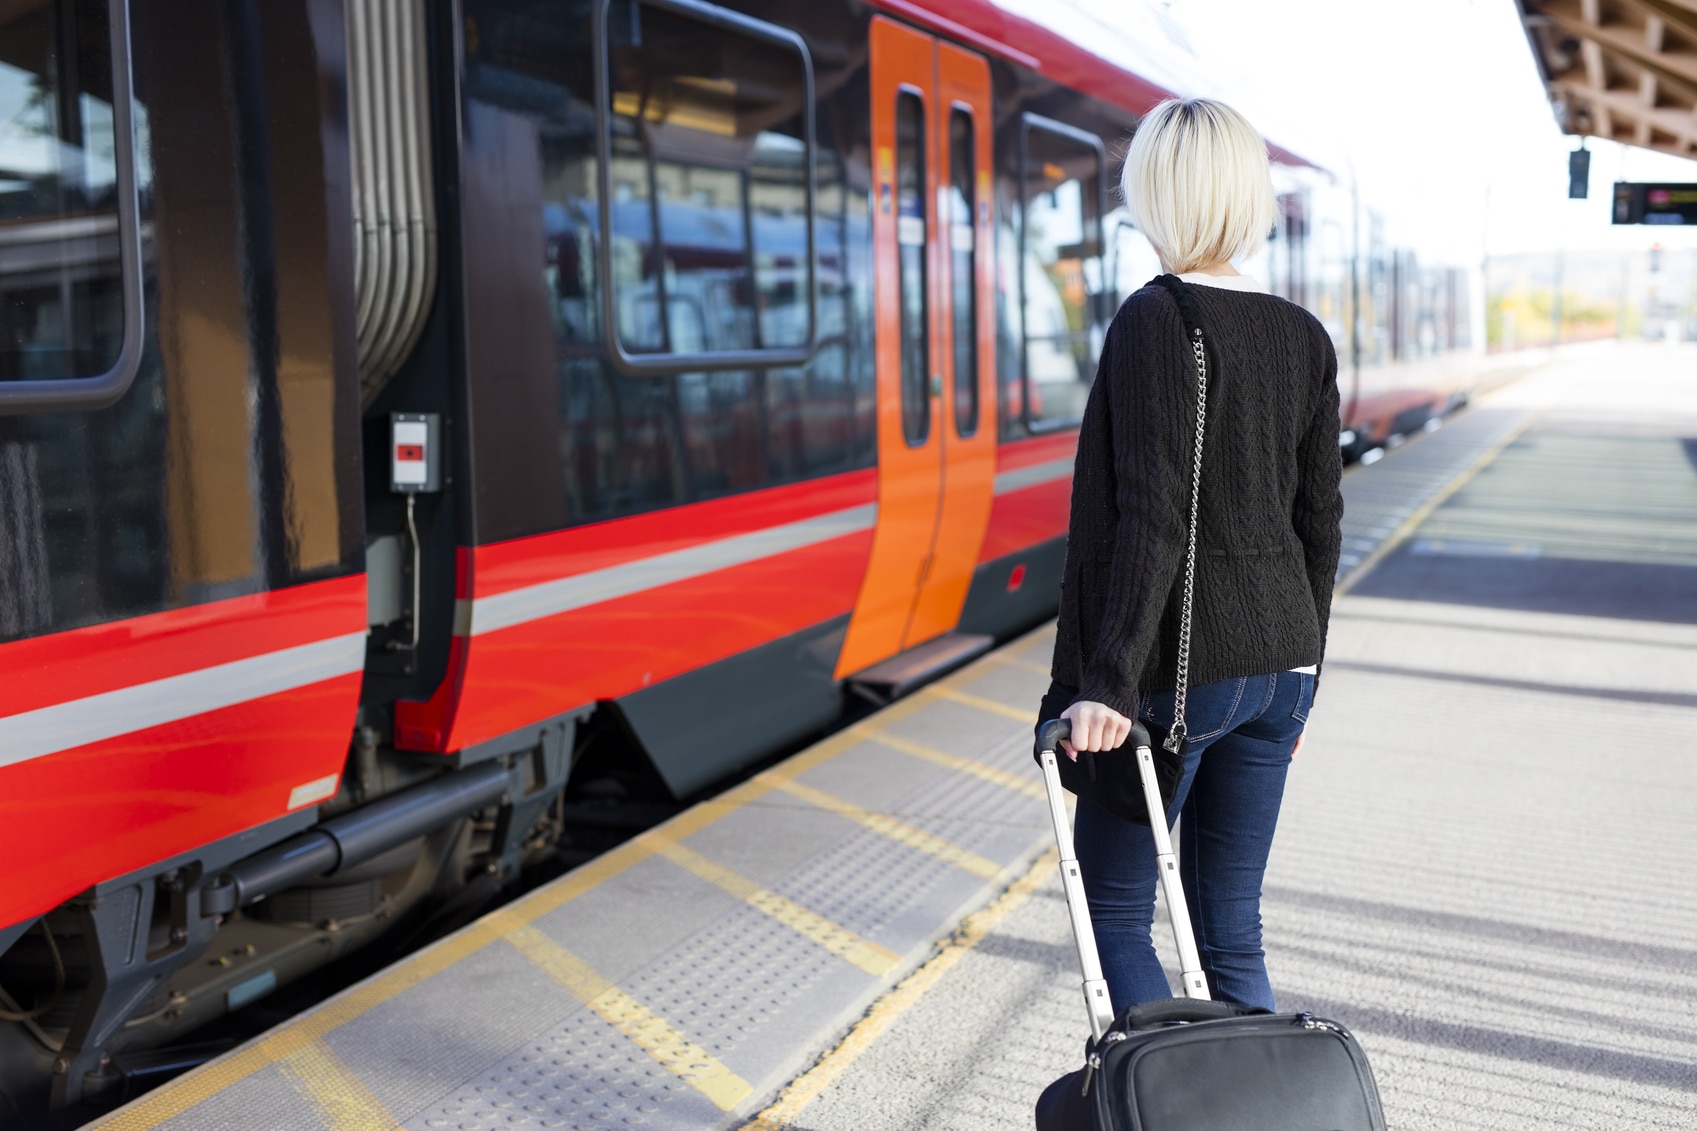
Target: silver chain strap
1176, 736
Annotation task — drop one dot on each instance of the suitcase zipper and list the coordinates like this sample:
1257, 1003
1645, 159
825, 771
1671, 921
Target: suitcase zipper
1309, 1021
1094, 1060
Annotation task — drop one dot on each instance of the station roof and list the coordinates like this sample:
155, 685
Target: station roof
1621, 69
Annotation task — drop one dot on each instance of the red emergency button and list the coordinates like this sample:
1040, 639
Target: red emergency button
407, 452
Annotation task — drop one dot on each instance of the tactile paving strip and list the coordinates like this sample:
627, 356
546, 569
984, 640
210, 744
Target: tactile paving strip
580, 1074
728, 987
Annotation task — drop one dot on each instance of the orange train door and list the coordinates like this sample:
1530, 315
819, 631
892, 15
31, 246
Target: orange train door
935, 340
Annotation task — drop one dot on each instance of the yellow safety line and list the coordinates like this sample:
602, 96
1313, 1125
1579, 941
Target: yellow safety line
983, 704
1016, 662
1424, 511
672, 1049
207, 1081
898, 831
960, 763
806, 1088
863, 953
340, 1097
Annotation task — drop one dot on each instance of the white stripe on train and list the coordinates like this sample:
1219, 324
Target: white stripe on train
550, 598
95, 718
1023, 477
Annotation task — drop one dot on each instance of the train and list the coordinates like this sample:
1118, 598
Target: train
434, 431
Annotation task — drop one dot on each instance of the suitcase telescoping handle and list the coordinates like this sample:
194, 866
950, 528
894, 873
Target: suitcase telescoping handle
1096, 999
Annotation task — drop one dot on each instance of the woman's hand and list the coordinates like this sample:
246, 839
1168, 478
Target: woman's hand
1095, 726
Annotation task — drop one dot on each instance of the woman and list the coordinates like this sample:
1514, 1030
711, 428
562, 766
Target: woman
1196, 183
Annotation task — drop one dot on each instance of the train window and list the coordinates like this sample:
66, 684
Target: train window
70, 292
963, 268
1060, 268
1460, 327
910, 240
1334, 302
1132, 261
709, 184
633, 442
1288, 249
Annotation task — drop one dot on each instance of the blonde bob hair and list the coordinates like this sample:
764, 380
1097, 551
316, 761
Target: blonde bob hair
1196, 183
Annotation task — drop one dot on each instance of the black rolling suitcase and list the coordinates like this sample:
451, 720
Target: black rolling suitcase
1191, 1064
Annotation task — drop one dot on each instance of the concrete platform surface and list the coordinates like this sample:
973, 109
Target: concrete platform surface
1487, 863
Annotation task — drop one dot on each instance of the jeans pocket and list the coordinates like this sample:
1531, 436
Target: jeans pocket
1304, 697
1209, 708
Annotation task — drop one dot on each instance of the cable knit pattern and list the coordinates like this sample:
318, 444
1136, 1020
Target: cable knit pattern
1268, 532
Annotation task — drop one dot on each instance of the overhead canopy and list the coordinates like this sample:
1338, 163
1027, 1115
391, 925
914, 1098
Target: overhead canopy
1621, 69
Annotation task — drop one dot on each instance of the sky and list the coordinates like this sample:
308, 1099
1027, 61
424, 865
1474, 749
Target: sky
1441, 117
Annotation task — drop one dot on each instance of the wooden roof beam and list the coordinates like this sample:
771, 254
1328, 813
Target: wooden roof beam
1630, 110
1596, 73
1680, 68
1680, 15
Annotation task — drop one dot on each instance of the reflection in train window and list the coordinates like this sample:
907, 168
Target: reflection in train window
1287, 250
910, 241
963, 269
1334, 299
61, 288
725, 189
1132, 260
709, 186
1061, 270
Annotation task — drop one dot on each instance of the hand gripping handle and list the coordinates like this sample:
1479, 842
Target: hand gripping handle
1049, 736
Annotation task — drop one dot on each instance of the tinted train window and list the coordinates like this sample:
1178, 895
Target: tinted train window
61, 287
709, 185
1287, 250
963, 268
1060, 272
1334, 297
715, 166
910, 241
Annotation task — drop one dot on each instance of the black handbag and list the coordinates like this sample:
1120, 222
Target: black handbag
1108, 779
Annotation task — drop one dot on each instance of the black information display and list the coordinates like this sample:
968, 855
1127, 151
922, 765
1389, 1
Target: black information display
1655, 203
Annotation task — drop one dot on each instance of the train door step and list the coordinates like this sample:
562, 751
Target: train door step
889, 680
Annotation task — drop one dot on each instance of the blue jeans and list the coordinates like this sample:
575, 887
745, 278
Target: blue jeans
1242, 732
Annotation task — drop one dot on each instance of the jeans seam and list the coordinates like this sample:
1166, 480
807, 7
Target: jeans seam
1302, 718
1242, 683
1188, 863
1272, 692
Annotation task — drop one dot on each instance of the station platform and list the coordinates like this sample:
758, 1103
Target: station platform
1487, 862
680, 979
1487, 865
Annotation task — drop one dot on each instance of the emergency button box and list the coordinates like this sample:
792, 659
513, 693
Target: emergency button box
415, 447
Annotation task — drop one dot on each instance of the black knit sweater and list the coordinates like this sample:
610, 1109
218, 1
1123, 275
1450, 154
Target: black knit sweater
1268, 533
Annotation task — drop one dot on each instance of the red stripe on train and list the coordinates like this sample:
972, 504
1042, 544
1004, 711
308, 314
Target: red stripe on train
75, 818
62, 666
500, 681
1022, 518
503, 566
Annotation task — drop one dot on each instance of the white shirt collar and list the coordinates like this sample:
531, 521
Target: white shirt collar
1225, 282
